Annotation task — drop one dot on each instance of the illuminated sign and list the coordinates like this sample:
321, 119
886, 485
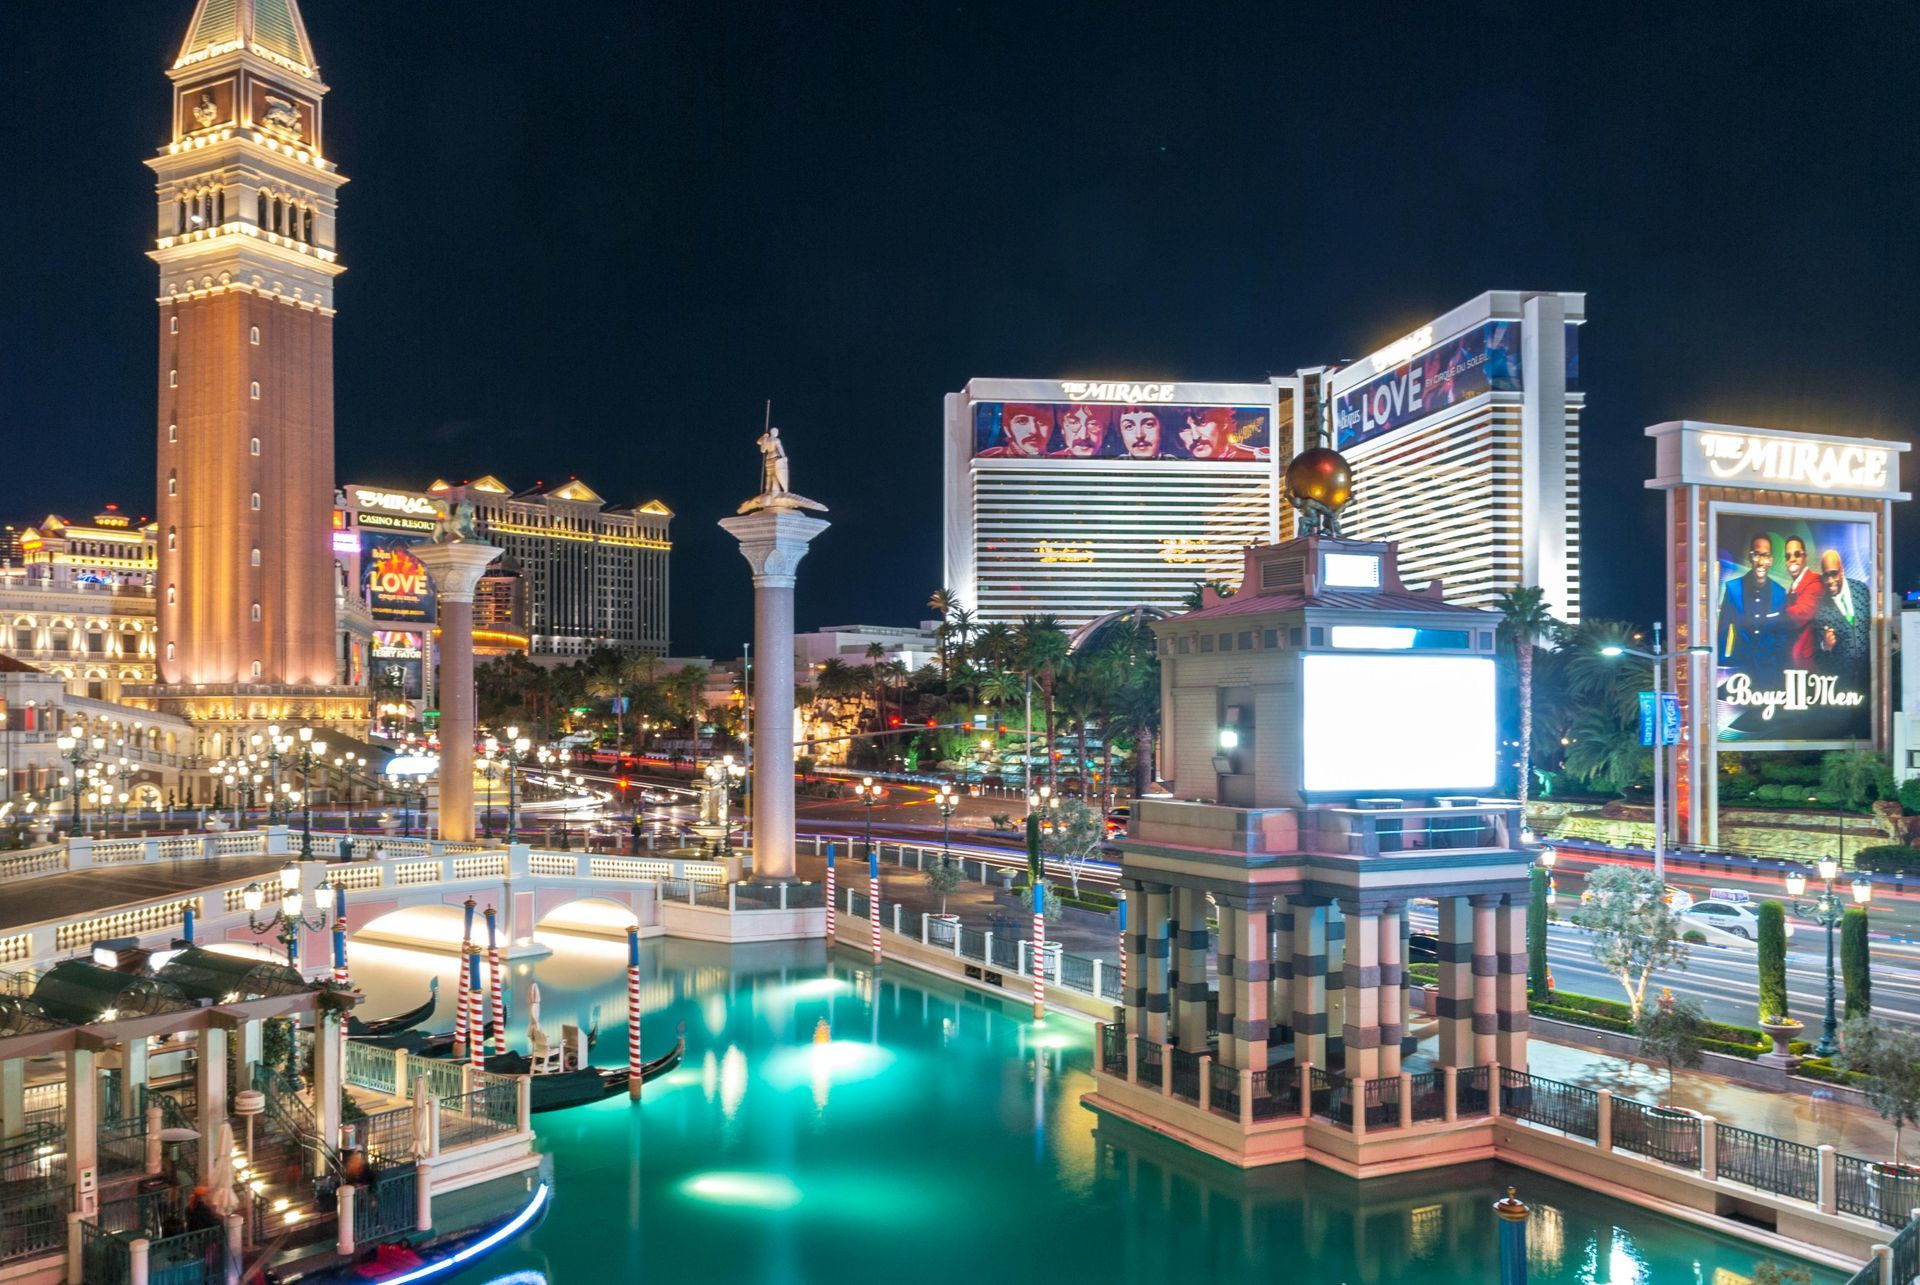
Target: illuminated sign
393, 502
1065, 552
1350, 570
1183, 550
397, 585
388, 522
1080, 391
1072, 431
1826, 466
346, 542
399, 663
1401, 349
1428, 379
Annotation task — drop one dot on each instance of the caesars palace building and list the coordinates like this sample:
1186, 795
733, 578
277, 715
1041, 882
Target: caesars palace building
1078, 497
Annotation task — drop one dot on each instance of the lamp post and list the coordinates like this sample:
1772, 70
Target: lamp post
1657, 659
278, 744
309, 749
869, 794
1827, 910
946, 800
516, 750
286, 922
489, 768
74, 750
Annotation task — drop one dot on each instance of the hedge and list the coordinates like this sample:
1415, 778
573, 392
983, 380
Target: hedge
1424, 974
1820, 1068
1612, 1015
1890, 858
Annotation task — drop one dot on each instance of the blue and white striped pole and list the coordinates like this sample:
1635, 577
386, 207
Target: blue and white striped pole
340, 948
1513, 1238
1039, 949
1123, 945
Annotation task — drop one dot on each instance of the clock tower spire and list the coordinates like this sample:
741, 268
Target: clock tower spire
244, 243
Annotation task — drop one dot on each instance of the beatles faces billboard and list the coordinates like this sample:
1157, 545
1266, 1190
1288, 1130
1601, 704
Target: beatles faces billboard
396, 584
1146, 431
1793, 629
1484, 359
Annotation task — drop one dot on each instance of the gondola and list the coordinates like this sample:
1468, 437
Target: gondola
399, 1022
421, 1044
558, 1090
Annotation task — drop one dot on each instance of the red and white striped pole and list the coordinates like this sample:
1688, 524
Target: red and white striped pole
873, 897
460, 1001
633, 1013
1039, 950
832, 890
476, 1044
497, 978
1123, 945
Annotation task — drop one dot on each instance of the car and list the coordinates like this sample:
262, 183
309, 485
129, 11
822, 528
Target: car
1117, 821
1733, 917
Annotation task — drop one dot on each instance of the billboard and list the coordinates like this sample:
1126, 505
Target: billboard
1076, 430
399, 663
1483, 359
397, 587
1397, 724
1793, 629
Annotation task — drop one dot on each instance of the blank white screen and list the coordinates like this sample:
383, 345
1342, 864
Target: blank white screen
1398, 723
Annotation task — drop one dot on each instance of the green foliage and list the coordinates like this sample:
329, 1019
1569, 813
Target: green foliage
1772, 958
1424, 974
1633, 932
1910, 795
1036, 868
1891, 858
1537, 932
1611, 1015
1671, 1032
1855, 962
1785, 770
1889, 1056
1851, 776
1694, 937
943, 876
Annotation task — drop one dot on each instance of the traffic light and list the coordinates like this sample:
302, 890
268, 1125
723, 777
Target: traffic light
893, 720
933, 723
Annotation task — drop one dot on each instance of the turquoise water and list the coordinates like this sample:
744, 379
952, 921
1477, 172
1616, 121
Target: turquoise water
814, 1134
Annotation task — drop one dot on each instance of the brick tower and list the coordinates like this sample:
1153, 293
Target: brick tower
245, 247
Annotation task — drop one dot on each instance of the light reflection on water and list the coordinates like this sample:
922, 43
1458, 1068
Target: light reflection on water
822, 1122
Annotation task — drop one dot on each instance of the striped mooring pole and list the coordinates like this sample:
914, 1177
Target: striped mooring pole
460, 1000
831, 889
186, 924
1039, 950
1123, 945
1513, 1213
873, 898
340, 949
633, 1013
476, 1045
497, 978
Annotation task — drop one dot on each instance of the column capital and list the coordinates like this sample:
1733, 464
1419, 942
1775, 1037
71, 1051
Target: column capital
773, 541
456, 566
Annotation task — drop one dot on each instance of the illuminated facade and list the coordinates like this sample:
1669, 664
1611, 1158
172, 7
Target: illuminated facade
245, 249
1075, 498
111, 551
80, 607
592, 574
1465, 443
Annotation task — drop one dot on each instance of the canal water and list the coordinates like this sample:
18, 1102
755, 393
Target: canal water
828, 1125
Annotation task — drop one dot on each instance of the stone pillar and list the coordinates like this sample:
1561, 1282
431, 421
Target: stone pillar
210, 1090
1248, 1046
1133, 946
1310, 980
83, 1122
1280, 978
133, 1075
1190, 1003
1511, 1020
773, 541
1360, 1032
1228, 965
249, 1058
1454, 1003
329, 1071
13, 1096
1156, 951
1336, 986
1392, 970
1486, 971
456, 567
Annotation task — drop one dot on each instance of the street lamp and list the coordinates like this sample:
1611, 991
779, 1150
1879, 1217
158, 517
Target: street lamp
1658, 660
309, 750
1827, 910
74, 750
286, 923
516, 750
278, 744
946, 800
869, 794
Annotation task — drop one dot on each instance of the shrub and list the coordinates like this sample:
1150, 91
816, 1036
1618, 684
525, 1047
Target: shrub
1890, 858
1910, 795
1855, 962
1612, 1015
1424, 974
1772, 958
1694, 937
1768, 793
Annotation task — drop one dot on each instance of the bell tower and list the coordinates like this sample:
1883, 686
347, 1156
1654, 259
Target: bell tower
244, 243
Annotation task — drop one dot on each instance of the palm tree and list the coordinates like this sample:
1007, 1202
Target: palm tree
941, 604
1605, 750
1043, 652
1195, 598
993, 645
1524, 623
961, 626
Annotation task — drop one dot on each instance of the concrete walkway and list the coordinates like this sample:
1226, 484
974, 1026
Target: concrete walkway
82, 893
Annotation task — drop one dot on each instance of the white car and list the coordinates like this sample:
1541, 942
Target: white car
1728, 916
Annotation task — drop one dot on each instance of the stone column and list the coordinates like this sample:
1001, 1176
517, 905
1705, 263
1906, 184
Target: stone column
1336, 985
329, 1077
1190, 1004
13, 1096
1510, 998
1310, 980
1360, 1032
773, 541
1392, 972
1133, 946
1454, 1002
1280, 970
456, 567
1228, 967
1486, 971
83, 1120
133, 1075
1248, 1046
1156, 952
210, 1093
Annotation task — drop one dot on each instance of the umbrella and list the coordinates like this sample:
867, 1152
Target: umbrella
422, 1120
220, 1193
536, 1038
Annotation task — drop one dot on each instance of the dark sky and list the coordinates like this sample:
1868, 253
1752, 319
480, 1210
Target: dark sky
590, 238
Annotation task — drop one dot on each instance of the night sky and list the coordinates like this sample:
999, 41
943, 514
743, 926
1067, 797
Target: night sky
591, 238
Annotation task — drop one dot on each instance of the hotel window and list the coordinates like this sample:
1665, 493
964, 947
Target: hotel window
173, 485
173, 325
256, 612
173, 540
256, 557
253, 335
171, 597
256, 669
173, 432
173, 378
169, 651
256, 501
256, 390
253, 447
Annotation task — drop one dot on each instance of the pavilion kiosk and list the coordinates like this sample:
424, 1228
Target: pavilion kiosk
1328, 740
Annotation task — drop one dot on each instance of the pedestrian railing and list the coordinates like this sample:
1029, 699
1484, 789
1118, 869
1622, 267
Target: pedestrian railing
1185, 1074
1113, 1048
1866, 1189
122, 1148
190, 1258
36, 1153
1427, 1092
1550, 1104
385, 1136
490, 1109
387, 1207
1223, 1088
1277, 1094
368, 1066
1767, 1163
1658, 1133
33, 1221
105, 1259
445, 1078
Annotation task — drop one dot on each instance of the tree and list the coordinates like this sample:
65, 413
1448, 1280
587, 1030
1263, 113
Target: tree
1196, 597
1772, 960
1043, 653
1889, 1056
1606, 749
1537, 932
1634, 931
1854, 962
1524, 622
1670, 1032
1078, 832
941, 604
943, 876
1850, 775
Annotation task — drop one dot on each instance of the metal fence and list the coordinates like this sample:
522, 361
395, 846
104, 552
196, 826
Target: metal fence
37, 1152
1113, 1049
1768, 1163
1470, 1091
386, 1136
368, 1066
1569, 1108
1658, 1133
190, 1258
445, 1079
1224, 1089
34, 1222
388, 1206
489, 1110
105, 1259
1185, 1079
1869, 1189
1429, 1090
1276, 1094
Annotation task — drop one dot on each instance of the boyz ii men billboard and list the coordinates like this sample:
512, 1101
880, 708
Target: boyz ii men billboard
1793, 628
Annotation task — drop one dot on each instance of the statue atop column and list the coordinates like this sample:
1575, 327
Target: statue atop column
773, 479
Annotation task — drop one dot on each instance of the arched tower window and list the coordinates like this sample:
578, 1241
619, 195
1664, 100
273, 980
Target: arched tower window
181, 205
256, 612
256, 557
261, 221
256, 390
169, 651
173, 432
256, 501
256, 669
173, 539
220, 206
253, 335
173, 484
172, 595
253, 447
307, 234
